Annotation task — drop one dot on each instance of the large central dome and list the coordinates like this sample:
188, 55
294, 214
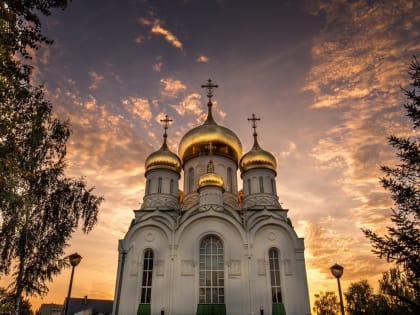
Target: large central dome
196, 141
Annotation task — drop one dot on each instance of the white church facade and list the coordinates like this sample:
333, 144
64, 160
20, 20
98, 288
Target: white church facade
211, 249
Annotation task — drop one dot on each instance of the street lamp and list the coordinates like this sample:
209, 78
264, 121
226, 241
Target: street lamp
337, 271
74, 260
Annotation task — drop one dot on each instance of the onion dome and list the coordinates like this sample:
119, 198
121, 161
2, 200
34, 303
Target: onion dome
257, 157
163, 158
210, 178
194, 143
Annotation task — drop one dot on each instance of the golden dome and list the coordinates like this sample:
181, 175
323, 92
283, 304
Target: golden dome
210, 178
195, 142
257, 157
163, 158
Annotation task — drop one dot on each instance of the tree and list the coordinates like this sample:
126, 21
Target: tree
397, 292
7, 303
401, 244
360, 298
40, 207
326, 304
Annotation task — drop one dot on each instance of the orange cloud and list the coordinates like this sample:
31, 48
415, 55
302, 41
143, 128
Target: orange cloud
202, 58
139, 107
172, 87
96, 80
158, 29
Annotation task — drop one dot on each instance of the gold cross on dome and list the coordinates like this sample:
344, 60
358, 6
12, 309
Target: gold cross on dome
209, 86
254, 120
165, 122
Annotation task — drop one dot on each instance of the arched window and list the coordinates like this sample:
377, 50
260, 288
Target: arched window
249, 186
273, 257
211, 288
159, 190
273, 186
229, 179
146, 285
261, 184
190, 179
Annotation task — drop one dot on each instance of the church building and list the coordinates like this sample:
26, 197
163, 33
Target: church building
213, 248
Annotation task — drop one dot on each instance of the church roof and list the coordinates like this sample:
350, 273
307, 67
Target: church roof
194, 142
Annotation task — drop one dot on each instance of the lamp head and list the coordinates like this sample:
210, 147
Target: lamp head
337, 270
75, 259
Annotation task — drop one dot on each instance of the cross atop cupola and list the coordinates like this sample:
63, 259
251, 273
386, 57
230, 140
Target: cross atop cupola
254, 120
165, 122
209, 86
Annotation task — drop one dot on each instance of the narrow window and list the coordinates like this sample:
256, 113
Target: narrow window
211, 288
190, 179
273, 186
171, 187
159, 185
229, 179
261, 184
273, 257
148, 187
249, 186
146, 285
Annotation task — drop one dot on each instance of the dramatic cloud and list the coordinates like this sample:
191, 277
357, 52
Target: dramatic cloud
157, 28
191, 104
356, 76
172, 87
138, 107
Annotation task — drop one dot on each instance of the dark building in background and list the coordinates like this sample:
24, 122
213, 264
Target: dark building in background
85, 306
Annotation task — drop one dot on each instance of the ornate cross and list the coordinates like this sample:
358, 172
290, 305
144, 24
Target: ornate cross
209, 86
254, 120
165, 122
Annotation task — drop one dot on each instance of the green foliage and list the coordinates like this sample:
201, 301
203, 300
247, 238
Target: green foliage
401, 244
40, 207
326, 304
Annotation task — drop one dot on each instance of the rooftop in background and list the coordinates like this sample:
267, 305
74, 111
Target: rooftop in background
87, 306
51, 309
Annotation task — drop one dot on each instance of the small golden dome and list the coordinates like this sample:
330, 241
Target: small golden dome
210, 178
257, 157
163, 158
195, 142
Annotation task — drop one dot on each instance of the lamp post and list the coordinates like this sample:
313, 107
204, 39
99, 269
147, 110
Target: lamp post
337, 271
74, 260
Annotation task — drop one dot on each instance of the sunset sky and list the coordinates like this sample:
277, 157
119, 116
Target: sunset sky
325, 78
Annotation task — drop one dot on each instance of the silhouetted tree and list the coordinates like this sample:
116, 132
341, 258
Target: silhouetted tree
40, 208
326, 304
401, 244
397, 293
7, 304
